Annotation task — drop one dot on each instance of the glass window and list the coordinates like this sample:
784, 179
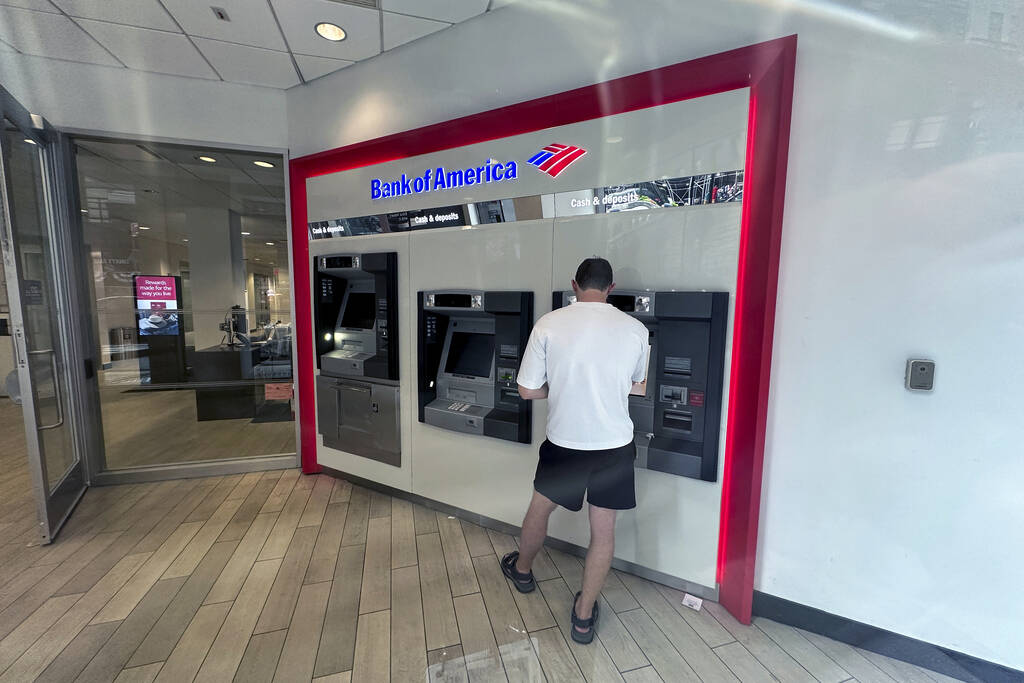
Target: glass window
188, 250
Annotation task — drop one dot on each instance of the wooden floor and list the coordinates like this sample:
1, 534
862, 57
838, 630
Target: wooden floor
278, 576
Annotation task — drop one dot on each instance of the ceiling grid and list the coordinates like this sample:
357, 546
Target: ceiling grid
272, 43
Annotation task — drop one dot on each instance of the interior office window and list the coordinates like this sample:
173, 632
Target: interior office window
188, 250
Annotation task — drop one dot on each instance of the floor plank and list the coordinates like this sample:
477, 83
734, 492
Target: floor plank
35, 625
72, 659
483, 662
439, 619
519, 659
358, 517
230, 581
376, 588
161, 639
425, 519
259, 663
193, 553
188, 655
277, 613
408, 642
139, 674
693, 649
555, 658
380, 505
644, 675
316, 506
447, 665
403, 534
328, 542
817, 663
130, 633
337, 642
594, 661
743, 664
229, 646
456, 556
287, 522
477, 540
766, 650
665, 659
341, 492
298, 658
846, 656
373, 648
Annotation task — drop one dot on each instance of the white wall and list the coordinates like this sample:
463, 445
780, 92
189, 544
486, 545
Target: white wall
134, 103
903, 237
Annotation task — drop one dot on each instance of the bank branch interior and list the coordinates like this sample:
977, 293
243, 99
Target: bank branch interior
263, 322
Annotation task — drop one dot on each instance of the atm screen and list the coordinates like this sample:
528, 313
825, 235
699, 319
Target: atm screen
359, 310
470, 354
624, 302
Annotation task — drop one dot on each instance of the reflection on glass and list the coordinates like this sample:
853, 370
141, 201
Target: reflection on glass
192, 289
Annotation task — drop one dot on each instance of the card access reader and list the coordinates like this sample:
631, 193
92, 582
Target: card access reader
677, 422
470, 346
356, 327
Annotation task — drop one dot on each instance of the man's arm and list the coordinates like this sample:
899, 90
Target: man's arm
532, 394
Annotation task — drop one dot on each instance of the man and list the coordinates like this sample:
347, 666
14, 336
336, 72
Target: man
585, 359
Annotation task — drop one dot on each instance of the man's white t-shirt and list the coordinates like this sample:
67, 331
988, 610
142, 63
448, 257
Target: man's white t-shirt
590, 354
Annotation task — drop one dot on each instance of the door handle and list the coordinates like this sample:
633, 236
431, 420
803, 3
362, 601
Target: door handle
57, 393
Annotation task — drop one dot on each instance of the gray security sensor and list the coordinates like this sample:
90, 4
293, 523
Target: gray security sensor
920, 375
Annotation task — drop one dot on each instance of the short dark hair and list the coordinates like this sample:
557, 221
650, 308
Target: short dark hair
594, 273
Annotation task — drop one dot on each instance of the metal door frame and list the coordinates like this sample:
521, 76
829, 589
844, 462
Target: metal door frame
53, 507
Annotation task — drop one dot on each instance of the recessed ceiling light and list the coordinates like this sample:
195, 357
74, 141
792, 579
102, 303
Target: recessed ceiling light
143, 227
85, 210
331, 32
613, 139
185, 240
256, 259
264, 164
270, 244
30, 141
246, 234
209, 160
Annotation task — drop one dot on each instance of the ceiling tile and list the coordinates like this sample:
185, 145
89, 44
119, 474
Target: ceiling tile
299, 18
443, 10
400, 29
148, 50
50, 35
253, 65
315, 67
250, 22
144, 13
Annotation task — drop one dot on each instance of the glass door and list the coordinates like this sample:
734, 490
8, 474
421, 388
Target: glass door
40, 321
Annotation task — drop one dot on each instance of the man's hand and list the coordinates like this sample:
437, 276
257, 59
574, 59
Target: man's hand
532, 394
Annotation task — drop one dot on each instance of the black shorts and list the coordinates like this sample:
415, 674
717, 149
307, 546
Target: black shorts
564, 474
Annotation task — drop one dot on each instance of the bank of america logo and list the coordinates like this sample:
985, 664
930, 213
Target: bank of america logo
555, 158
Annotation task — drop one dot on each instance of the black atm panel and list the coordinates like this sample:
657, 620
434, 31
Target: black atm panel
356, 325
470, 347
677, 422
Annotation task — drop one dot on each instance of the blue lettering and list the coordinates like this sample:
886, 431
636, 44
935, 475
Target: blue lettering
404, 185
499, 169
375, 188
417, 185
471, 176
455, 179
510, 170
439, 180
426, 181
492, 171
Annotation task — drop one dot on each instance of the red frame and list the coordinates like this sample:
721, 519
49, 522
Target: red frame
768, 70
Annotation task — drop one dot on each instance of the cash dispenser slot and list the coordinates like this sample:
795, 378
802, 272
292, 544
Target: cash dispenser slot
355, 321
676, 424
469, 353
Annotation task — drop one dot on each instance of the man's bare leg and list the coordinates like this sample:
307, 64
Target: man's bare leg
599, 559
535, 530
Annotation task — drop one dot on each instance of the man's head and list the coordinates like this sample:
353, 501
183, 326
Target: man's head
594, 280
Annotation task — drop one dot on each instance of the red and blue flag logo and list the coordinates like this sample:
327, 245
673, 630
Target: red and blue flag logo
555, 158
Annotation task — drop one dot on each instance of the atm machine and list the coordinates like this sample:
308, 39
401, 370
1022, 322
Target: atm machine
356, 328
676, 424
470, 346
